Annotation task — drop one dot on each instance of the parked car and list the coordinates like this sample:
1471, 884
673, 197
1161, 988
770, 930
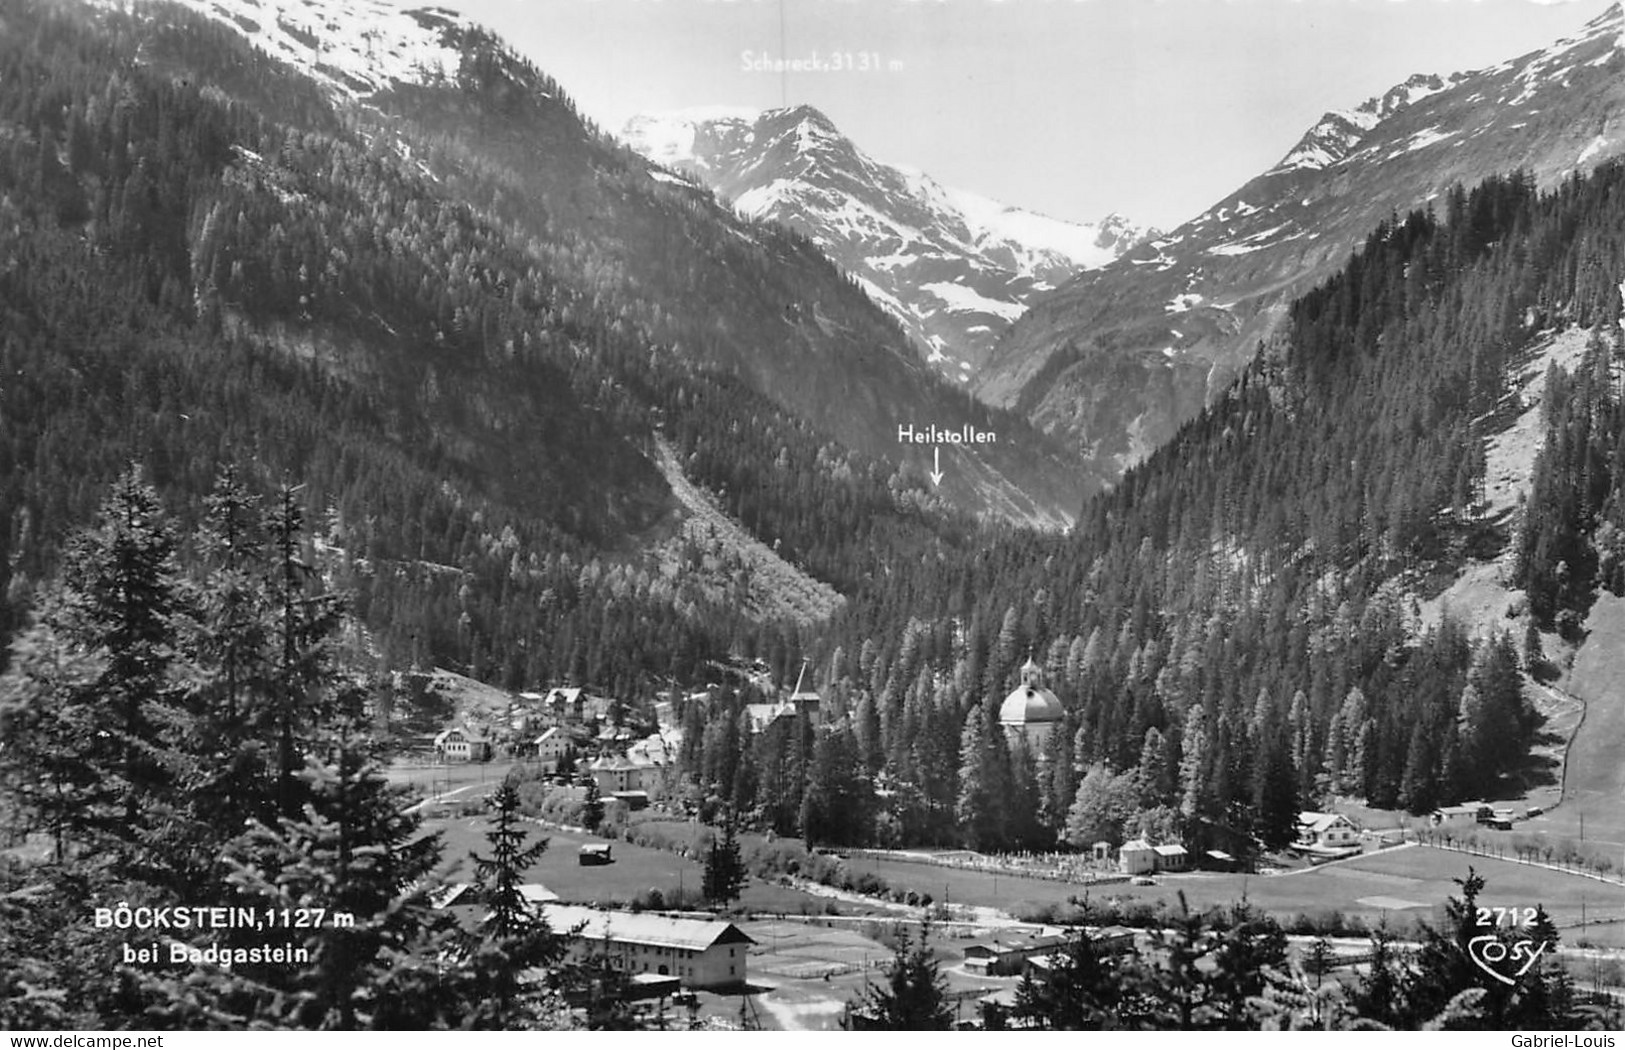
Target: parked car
1142, 880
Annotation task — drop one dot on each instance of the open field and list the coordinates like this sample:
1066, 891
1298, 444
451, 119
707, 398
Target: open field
454, 780
636, 870
1399, 885
1595, 784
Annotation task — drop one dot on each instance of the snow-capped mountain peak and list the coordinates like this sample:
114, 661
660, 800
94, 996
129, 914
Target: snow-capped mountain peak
952, 266
1339, 132
1119, 357
357, 47
670, 138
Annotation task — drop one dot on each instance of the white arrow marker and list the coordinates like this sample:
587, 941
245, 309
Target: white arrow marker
936, 465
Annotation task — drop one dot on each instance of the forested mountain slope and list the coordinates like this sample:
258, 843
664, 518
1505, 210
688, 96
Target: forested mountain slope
1233, 630
666, 265
211, 257
1118, 358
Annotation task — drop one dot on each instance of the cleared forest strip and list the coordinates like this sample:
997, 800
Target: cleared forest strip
732, 562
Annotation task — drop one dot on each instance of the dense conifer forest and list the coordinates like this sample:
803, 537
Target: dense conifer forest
1233, 630
188, 282
289, 401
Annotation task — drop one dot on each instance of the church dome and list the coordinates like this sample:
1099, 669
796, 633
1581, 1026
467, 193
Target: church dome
1030, 703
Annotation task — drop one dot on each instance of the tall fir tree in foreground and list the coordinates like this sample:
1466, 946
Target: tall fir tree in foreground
358, 857
502, 960
94, 700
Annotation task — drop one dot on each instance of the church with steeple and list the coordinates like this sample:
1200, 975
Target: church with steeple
1031, 710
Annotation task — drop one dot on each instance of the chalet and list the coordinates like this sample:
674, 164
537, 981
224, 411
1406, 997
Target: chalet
1326, 831
700, 953
564, 706
462, 744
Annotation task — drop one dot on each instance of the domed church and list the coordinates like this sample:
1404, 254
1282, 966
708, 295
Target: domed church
1030, 710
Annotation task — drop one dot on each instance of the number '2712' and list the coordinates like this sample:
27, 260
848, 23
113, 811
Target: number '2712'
1509, 916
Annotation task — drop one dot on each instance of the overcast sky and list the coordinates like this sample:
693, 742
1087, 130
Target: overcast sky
1074, 108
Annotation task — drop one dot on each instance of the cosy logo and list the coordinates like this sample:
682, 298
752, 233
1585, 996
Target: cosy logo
1498, 958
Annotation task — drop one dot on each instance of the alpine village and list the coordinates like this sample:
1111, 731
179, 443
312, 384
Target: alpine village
462, 567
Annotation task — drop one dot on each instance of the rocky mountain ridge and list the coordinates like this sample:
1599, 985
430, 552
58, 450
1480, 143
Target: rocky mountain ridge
953, 267
1119, 357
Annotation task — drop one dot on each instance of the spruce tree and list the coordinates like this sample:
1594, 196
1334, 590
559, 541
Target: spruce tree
305, 622
47, 714
1080, 990
358, 857
501, 959
592, 807
94, 704
913, 997
725, 874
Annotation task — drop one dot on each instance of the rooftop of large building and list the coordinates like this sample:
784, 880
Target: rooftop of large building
643, 927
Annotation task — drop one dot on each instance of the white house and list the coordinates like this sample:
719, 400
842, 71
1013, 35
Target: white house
1325, 831
565, 706
700, 953
461, 744
1136, 857
1467, 816
550, 747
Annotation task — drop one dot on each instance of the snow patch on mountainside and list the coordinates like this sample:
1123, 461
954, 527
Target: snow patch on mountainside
991, 221
1427, 137
356, 48
1252, 242
942, 261
963, 299
884, 299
